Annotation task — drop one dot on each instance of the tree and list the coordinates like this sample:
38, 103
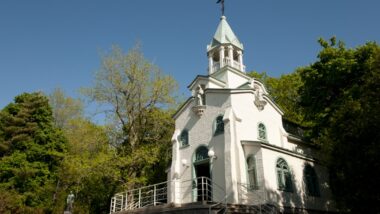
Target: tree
31, 152
340, 94
64, 108
135, 94
89, 168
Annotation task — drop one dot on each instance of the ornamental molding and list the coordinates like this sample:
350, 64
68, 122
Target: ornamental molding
259, 99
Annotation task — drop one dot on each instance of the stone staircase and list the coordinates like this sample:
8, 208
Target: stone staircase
204, 208
243, 209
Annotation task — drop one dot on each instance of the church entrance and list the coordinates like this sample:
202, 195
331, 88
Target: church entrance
202, 185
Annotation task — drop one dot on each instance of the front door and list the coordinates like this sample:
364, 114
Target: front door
203, 181
202, 185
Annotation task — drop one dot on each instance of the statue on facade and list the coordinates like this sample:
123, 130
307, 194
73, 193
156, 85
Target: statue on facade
199, 96
259, 100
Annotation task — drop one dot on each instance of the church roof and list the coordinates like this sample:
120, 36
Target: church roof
225, 35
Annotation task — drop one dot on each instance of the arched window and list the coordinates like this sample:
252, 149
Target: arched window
251, 168
311, 181
201, 154
219, 125
262, 131
284, 177
184, 138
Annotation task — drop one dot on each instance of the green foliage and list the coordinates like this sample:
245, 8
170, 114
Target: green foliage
341, 96
31, 151
135, 93
89, 169
64, 108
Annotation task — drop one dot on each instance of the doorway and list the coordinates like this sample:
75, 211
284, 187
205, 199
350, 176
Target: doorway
202, 185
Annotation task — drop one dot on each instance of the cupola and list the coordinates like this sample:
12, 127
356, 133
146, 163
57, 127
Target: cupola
225, 49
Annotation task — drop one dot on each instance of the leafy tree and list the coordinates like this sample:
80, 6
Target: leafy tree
89, 168
135, 92
64, 108
31, 152
340, 95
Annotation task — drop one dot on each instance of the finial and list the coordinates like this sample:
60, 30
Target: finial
222, 3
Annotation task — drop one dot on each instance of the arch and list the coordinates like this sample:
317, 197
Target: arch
284, 177
262, 131
218, 125
251, 171
311, 181
201, 154
184, 138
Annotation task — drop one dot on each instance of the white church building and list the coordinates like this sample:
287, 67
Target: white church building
231, 146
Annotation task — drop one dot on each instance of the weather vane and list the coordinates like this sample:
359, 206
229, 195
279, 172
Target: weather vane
222, 3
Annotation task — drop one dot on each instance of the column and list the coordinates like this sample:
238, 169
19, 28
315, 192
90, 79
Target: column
230, 55
240, 54
221, 56
210, 63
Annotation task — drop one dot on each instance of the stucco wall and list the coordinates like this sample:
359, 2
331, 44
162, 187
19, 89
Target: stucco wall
229, 170
200, 130
297, 198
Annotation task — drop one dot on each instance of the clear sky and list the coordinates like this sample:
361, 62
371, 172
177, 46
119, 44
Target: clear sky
46, 44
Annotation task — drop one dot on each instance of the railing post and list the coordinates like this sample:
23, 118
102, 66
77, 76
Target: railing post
203, 195
139, 197
154, 195
126, 200
122, 202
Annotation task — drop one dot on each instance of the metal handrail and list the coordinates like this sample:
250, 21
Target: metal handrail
152, 195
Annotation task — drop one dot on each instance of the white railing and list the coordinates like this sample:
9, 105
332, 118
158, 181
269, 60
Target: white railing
227, 62
198, 189
215, 67
146, 196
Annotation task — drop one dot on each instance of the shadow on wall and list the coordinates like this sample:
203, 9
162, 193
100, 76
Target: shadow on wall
297, 201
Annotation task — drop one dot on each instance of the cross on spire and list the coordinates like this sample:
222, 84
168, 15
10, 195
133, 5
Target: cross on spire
222, 3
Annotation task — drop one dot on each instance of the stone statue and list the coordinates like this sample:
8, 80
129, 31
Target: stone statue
70, 201
259, 100
199, 96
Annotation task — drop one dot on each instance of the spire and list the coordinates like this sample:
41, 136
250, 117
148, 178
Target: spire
224, 35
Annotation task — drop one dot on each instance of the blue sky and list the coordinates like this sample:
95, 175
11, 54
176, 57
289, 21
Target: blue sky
49, 44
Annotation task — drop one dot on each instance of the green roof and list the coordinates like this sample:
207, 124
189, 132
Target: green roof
225, 35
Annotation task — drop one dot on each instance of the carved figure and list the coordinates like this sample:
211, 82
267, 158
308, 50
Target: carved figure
259, 100
199, 95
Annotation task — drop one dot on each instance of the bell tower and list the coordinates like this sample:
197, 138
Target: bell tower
225, 49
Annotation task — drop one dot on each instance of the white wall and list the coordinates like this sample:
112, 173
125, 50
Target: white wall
229, 168
298, 198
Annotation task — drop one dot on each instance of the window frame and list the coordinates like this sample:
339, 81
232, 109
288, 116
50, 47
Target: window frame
216, 126
182, 145
265, 139
252, 172
284, 176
